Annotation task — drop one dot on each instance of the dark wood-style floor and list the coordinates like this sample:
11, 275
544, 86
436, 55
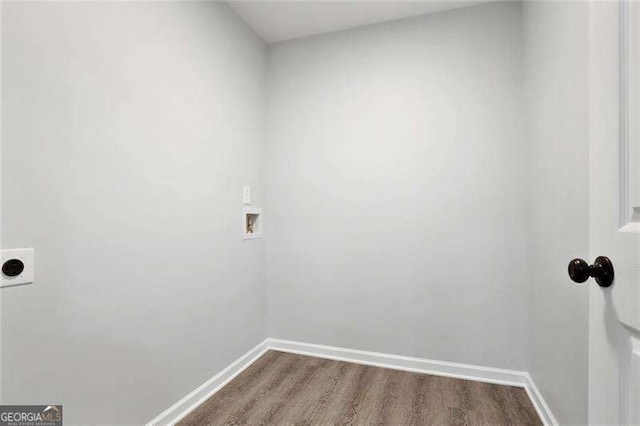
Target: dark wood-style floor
282, 388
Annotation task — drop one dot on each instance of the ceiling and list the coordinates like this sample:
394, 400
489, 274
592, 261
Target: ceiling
276, 21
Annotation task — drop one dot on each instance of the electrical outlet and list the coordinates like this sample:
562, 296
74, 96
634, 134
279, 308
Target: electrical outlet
246, 194
17, 267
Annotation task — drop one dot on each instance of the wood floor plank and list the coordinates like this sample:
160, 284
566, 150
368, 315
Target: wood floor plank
288, 389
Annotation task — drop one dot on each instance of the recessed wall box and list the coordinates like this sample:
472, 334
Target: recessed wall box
252, 223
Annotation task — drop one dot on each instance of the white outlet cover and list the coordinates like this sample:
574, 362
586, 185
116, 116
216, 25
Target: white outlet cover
246, 194
27, 275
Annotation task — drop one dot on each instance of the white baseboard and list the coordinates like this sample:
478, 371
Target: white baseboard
404, 363
180, 409
539, 403
396, 362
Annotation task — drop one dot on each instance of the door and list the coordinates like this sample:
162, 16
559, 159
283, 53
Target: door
614, 312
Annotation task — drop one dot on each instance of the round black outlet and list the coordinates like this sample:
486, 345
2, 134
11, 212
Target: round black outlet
12, 267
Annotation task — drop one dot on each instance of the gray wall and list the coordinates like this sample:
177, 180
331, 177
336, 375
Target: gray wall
396, 188
556, 107
405, 197
128, 132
